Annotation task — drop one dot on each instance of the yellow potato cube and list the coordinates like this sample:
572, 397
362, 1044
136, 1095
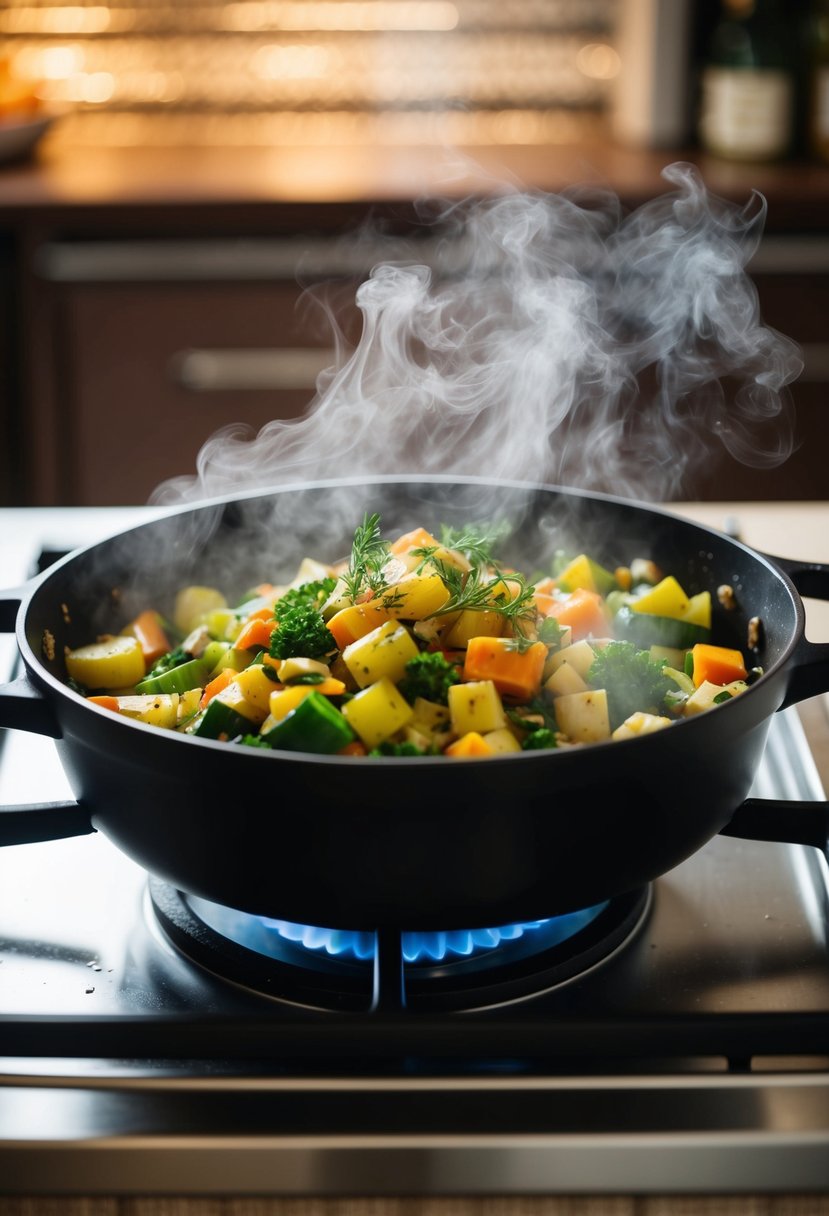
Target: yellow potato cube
383, 653
256, 686
414, 596
579, 656
117, 662
564, 680
194, 604
698, 611
705, 697
160, 709
476, 707
292, 669
500, 741
640, 724
283, 701
583, 716
667, 598
234, 697
468, 624
377, 712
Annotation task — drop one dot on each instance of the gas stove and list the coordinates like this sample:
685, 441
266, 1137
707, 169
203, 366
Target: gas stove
673, 1040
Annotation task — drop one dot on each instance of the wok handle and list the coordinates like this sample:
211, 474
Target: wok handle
23, 707
781, 821
39, 821
809, 673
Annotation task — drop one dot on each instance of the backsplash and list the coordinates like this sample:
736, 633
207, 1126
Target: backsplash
318, 71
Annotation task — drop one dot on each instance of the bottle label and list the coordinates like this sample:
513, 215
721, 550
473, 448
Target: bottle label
746, 112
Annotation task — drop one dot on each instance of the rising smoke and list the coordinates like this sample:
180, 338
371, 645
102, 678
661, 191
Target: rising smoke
552, 338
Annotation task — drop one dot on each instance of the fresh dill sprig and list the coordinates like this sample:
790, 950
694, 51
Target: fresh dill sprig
476, 542
481, 590
369, 554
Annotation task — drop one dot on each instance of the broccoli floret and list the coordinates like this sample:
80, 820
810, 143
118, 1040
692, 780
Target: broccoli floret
173, 658
632, 680
253, 741
429, 675
313, 594
538, 739
301, 632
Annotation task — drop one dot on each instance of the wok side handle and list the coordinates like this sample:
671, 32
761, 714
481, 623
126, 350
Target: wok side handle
809, 674
781, 821
39, 821
10, 600
22, 707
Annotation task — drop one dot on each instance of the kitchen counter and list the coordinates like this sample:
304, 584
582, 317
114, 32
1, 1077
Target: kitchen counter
201, 178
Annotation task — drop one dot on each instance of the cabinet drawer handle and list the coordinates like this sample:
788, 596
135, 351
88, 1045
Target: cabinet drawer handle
225, 370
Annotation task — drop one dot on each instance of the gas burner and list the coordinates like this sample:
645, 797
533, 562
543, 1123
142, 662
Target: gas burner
347, 970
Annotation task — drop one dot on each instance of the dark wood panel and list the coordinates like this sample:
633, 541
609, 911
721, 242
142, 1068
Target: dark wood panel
132, 422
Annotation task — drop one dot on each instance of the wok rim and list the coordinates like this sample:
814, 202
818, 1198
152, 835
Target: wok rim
43, 677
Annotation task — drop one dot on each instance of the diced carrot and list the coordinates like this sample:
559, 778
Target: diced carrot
717, 664
355, 621
583, 611
355, 748
106, 703
148, 631
545, 586
514, 672
256, 632
265, 589
330, 687
265, 613
216, 685
544, 602
470, 744
418, 538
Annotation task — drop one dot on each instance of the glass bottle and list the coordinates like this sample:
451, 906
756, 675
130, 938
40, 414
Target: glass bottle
818, 122
747, 94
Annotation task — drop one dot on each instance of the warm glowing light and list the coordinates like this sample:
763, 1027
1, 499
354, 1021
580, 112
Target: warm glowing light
426, 15
50, 62
94, 88
598, 61
291, 62
63, 19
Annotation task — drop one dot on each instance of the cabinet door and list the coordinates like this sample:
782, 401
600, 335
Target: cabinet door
154, 370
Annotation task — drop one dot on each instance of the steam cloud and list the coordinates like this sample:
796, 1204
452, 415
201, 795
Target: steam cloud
569, 342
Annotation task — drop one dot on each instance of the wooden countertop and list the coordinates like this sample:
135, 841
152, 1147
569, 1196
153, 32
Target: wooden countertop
64, 177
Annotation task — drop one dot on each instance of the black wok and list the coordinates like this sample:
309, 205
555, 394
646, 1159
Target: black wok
417, 843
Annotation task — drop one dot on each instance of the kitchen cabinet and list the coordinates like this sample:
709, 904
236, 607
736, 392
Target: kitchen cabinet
157, 303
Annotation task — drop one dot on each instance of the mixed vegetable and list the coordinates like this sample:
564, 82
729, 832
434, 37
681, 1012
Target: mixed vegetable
421, 646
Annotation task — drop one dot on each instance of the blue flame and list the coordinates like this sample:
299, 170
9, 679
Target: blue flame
437, 946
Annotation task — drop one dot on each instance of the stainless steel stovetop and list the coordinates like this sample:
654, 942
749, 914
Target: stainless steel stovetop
695, 1058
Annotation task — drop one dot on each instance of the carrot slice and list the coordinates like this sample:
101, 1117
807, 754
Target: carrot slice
356, 748
418, 538
216, 685
106, 703
148, 631
717, 664
514, 672
255, 632
470, 744
583, 611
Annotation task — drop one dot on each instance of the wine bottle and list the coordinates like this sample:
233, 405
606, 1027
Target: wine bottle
819, 81
747, 94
